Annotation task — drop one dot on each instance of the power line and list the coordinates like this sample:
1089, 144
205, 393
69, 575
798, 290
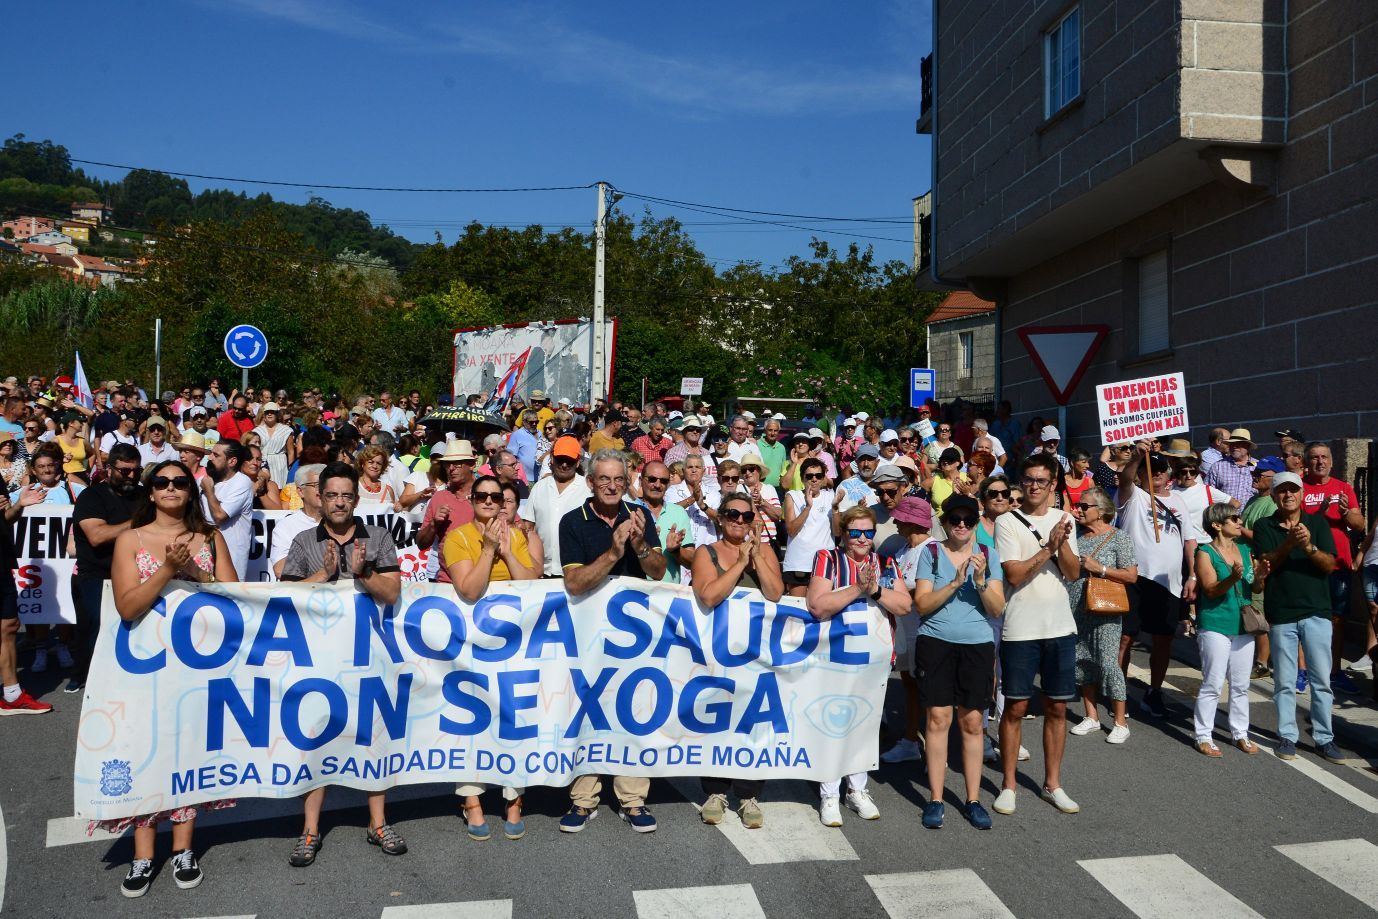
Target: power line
739, 210
775, 223
243, 181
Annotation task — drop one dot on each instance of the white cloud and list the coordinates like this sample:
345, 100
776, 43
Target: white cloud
543, 44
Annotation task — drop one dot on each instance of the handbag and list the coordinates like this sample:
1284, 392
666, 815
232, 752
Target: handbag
1105, 597
1251, 620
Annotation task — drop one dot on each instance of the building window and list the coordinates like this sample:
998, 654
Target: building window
966, 348
1154, 306
1062, 62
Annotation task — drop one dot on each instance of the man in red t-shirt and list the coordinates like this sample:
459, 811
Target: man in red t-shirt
235, 423
1335, 500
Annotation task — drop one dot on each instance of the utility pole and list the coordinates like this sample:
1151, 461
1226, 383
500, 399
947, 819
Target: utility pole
600, 236
158, 357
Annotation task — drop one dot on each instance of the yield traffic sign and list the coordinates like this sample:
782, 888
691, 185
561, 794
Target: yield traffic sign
1062, 353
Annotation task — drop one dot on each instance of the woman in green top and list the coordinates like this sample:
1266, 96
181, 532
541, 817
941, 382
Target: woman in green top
1226, 574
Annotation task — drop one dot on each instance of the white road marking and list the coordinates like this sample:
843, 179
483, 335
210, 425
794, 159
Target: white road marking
470, 909
728, 901
1349, 864
247, 916
792, 831
1326, 780
4, 860
1165, 887
956, 894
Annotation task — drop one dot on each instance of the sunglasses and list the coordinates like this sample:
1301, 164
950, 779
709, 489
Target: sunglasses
906, 440
729, 478
858, 534
1084, 506
962, 521
179, 482
944, 430
734, 515
888, 492
812, 476
656, 479
998, 494
483, 497
1188, 471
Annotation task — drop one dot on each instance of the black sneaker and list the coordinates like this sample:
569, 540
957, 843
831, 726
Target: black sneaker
185, 870
139, 877
1153, 704
387, 839
74, 685
304, 852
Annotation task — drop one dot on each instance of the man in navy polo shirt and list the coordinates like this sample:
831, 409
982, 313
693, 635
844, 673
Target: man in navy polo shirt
607, 536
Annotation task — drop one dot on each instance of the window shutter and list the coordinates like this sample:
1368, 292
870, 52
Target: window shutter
1153, 303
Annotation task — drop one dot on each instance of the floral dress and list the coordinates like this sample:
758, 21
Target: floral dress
1098, 637
148, 566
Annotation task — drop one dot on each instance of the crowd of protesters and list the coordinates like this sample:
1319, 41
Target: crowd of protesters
1010, 566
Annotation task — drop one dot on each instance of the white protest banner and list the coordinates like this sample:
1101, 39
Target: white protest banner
691, 386
1136, 409
255, 690
410, 557
43, 575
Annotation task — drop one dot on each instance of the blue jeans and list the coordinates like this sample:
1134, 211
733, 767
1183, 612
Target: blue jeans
1313, 635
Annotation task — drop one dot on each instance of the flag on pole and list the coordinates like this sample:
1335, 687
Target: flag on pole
502, 393
81, 390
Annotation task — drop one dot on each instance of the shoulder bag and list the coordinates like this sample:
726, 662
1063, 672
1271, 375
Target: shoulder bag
1105, 597
1251, 619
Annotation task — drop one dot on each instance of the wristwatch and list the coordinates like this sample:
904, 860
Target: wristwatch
641, 555
876, 595
1312, 550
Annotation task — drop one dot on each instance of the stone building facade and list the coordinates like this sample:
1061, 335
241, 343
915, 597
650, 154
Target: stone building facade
1199, 175
961, 348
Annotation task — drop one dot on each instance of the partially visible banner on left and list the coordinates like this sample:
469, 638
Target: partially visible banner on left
43, 576
47, 560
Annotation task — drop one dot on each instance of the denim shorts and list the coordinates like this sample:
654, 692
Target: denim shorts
1339, 593
1052, 660
1371, 583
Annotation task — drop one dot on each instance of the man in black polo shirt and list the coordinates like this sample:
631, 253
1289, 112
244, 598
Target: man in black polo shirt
608, 537
101, 514
341, 548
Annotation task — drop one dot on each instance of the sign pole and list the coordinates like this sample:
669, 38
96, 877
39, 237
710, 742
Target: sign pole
1152, 498
600, 235
158, 355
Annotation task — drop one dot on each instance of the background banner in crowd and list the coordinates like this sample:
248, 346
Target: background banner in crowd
558, 365
43, 576
1136, 409
42, 540
410, 558
246, 690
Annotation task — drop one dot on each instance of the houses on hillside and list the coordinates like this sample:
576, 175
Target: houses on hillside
56, 244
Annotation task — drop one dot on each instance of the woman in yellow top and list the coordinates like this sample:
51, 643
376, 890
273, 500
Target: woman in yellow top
487, 549
948, 478
72, 440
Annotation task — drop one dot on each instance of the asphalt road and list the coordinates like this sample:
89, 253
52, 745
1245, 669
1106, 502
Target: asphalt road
1162, 831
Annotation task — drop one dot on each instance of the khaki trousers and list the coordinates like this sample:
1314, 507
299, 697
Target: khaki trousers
631, 790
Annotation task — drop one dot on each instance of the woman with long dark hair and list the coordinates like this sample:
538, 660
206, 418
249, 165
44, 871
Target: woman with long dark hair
168, 539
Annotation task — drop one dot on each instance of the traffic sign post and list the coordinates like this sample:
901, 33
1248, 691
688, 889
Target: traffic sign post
922, 386
1062, 354
246, 346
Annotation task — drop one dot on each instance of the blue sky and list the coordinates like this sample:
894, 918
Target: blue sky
802, 107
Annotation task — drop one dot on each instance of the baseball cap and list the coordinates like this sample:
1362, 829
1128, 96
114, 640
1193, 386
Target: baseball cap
913, 510
197, 411
961, 503
1285, 432
889, 473
904, 462
749, 416
567, 447
862, 416
1049, 433
888, 435
799, 435
815, 433
565, 402
778, 416
1269, 464
849, 423
1286, 478
868, 450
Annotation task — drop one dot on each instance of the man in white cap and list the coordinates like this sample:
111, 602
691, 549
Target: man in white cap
705, 418
1296, 551
889, 448
449, 507
1051, 439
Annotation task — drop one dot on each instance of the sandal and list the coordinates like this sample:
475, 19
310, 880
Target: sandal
514, 829
1247, 745
477, 831
1206, 748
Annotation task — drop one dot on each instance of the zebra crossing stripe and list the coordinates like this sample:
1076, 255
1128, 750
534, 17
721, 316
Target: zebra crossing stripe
470, 909
727, 901
1349, 864
955, 894
1165, 887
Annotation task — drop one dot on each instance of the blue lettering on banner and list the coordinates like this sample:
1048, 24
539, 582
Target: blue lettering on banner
369, 621
412, 629
280, 611
509, 704
487, 624
185, 648
638, 629
124, 654
458, 697
839, 630
721, 652
681, 628
587, 694
553, 627
627, 695
720, 711
292, 701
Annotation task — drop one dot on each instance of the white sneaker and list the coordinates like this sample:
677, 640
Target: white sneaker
1118, 734
860, 801
1086, 726
1059, 799
1023, 753
40, 660
1362, 665
1004, 802
903, 751
829, 812
988, 751
64, 658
